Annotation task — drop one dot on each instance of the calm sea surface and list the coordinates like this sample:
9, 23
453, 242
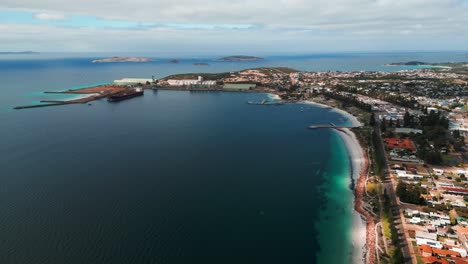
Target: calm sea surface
171, 177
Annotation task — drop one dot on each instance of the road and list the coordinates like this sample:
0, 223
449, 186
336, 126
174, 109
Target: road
389, 185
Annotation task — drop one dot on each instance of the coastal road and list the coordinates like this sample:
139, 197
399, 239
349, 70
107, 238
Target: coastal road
389, 186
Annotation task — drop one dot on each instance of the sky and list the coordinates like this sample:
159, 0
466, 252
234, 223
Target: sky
233, 26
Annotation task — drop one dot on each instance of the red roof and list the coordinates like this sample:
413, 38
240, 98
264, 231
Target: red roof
445, 252
460, 260
397, 143
455, 189
433, 260
425, 248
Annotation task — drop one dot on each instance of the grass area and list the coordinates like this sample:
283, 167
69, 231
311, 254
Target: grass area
373, 188
419, 259
386, 227
450, 159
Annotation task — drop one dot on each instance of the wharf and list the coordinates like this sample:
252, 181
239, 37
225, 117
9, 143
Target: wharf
56, 103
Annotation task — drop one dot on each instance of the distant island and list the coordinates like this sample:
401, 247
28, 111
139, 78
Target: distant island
200, 64
174, 61
122, 59
240, 58
17, 52
409, 63
443, 65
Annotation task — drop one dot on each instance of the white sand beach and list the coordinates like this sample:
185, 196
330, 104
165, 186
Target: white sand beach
354, 121
274, 96
359, 225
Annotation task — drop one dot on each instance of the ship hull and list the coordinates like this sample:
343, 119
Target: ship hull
116, 98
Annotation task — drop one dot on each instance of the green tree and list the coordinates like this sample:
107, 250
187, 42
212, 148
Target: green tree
372, 120
383, 126
407, 119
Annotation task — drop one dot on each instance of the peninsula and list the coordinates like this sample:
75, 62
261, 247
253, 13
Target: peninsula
240, 58
122, 59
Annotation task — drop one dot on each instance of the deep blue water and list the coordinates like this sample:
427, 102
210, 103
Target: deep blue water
171, 177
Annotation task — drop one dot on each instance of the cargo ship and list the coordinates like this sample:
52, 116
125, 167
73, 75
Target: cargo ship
125, 95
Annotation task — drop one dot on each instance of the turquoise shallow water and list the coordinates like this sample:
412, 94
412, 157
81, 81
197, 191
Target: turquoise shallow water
334, 225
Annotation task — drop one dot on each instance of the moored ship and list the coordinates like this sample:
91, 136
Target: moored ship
125, 95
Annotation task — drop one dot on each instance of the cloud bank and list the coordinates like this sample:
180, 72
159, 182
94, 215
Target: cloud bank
222, 25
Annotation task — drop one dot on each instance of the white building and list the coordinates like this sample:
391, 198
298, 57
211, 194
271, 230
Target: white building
431, 243
186, 82
132, 81
403, 174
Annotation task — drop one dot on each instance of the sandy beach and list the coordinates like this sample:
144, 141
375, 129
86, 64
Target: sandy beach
362, 222
354, 121
274, 96
363, 230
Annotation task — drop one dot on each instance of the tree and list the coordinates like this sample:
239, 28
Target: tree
407, 119
372, 120
383, 126
410, 193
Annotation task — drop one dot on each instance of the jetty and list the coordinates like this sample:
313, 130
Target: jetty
331, 125
265, 102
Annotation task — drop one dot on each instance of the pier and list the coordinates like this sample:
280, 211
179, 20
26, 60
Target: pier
331, 126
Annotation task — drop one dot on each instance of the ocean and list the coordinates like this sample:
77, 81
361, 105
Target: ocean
174, 176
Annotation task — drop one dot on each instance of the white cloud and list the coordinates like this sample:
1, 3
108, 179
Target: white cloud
49, 16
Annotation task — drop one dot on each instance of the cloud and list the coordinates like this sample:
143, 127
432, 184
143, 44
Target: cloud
49, 16
311, 25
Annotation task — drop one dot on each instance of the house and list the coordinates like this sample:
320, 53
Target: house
431, 243
445, 253
426, 235
400, 144
404, 130
460, 260
438, 172
442, 231
434, 260
426, 250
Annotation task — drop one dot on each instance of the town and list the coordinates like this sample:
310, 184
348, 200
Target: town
416, 130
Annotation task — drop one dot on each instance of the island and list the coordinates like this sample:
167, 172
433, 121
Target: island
174, 61
122, 59
240, 58
201, 64
17, 52
409, 63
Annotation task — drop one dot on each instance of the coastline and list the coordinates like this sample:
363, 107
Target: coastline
363, 223
354, 121
362, 233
